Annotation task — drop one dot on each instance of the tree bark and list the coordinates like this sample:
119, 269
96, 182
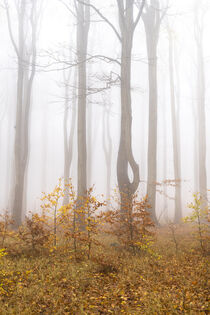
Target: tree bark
165, 204
152, 20
107, 147
201, 91
90, 143
175, 135
23, 103
68, 134
125, 155
83, 16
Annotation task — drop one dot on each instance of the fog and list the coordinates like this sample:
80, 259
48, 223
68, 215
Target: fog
54, 97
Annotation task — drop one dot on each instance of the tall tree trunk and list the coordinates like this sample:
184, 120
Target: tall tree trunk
23, 105
175, 134
201, 91
19, 163
44, 168
165, 204
125, 155
107, 147
152, 137
202, 130
152, 20
195, 148
89, 143
83, 16
9, 162
125, 158
68, 134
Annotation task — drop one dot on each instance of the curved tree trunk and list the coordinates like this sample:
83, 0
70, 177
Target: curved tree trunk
125, 155
125, 158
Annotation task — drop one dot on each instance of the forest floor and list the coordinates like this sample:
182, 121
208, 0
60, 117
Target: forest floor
112, 281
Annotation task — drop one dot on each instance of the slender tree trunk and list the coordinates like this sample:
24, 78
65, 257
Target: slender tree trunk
125, 154
175, 134
23, 105
107, 147
44, 150
68, 135
201, 91
89, 142
152, 20
165, 204
9, 163
19, 161
152, 137
196, 164
83, 14
201, 123
19, 164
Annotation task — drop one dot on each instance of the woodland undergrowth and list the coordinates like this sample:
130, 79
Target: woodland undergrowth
115, 264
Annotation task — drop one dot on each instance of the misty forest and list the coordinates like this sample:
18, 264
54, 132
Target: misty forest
104, 156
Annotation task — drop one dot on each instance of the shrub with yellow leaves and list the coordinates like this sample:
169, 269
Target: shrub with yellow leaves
34, 232
72, 217
5, 227
132, 227
51, 204
199, 218
68, 218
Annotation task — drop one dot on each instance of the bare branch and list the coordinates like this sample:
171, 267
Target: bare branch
103, 17
72, 64
105, 59
10, 29
139, 14
68, 7
33, 22
164, 12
